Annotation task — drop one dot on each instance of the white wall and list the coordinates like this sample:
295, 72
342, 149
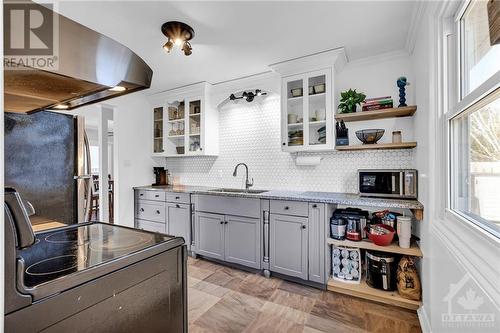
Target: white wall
250, 133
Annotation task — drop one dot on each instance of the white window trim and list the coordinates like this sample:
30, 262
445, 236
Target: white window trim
476, 99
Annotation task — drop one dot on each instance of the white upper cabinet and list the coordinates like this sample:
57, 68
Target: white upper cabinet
184, 122
307, 101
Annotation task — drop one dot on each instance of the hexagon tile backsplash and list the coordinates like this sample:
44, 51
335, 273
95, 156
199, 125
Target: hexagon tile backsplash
250, 133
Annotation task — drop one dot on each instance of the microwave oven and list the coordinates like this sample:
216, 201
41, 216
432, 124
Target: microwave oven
388, 183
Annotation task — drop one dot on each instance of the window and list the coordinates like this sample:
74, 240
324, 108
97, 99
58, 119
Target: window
94, 159
480, 59
475, 125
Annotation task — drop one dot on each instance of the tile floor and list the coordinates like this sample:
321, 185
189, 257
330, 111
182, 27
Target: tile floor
222, 299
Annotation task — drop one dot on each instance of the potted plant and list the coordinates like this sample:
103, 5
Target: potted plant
349, 99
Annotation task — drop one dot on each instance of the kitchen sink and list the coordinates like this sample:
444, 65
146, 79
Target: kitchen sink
237, 190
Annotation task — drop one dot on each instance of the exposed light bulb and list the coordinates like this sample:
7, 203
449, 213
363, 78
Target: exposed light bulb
178, 41
168, 46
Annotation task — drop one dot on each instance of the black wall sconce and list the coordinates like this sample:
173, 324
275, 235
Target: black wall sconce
247, 95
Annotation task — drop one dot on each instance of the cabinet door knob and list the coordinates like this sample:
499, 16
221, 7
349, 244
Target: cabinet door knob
157, 212
225, 222
141, 194
177, 206
315, 206
284, 144
142, 209
303, 226
177, 198
157, 195
287, 208
221, 222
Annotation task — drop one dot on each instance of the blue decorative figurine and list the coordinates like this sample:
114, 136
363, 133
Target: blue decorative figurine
402, 94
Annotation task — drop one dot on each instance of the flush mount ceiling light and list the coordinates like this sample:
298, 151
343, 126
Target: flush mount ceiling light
179, 34
248, 96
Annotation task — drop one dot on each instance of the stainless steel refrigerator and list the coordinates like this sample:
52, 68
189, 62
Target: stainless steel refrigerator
47, 160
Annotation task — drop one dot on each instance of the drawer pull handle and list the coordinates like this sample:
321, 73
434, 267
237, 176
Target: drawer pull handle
141, 194
177, 206
157, 195
157, 212
177, 198
142, 209
315, 206
287, 208
303, 226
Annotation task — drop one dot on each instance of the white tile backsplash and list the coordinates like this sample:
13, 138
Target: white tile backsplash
250, 133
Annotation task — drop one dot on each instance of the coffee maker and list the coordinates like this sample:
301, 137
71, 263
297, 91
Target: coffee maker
160, 176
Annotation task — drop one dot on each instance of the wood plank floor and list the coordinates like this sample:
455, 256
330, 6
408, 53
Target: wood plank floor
223, 299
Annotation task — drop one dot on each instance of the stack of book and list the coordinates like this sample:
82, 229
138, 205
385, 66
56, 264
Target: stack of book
322, 135
377, 103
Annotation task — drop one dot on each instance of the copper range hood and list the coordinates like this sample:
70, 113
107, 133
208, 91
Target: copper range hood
89, 66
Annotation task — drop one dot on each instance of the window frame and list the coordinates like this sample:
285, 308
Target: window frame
461, 105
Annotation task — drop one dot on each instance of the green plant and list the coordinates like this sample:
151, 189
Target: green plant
349, 99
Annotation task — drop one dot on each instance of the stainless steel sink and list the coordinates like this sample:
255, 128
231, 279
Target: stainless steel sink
237, 190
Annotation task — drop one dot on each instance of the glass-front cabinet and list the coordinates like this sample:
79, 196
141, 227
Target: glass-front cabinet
307, 113
158, 130
189, 124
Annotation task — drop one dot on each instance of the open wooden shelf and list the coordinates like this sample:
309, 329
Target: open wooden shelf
374, 146
414, 250
406, 111
363, 290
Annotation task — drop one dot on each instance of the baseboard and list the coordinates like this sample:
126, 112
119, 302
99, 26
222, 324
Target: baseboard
425, 325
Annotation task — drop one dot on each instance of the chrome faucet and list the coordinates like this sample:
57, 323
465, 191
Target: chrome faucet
248, 184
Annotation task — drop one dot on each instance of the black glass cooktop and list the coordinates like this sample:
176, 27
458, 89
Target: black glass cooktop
62, 252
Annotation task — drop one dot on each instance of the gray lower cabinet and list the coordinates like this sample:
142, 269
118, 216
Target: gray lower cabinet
209, 235
150, 226
229, 238
316, 242
289, 245
242, 241
179, 221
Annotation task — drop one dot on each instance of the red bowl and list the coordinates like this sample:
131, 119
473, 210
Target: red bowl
382, 240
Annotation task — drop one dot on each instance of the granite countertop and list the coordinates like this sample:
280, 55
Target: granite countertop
347, 199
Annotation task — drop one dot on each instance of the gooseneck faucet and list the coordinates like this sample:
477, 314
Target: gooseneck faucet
248, 184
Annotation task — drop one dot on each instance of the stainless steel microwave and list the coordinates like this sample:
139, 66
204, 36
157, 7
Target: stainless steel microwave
387, 183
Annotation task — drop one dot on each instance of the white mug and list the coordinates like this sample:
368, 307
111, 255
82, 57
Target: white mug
292, 118
320, 114
404, 231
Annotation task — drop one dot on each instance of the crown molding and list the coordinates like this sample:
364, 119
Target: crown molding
378, 58
415, 21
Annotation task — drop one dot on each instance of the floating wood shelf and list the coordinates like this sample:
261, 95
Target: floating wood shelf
402, 145
406, 111
414, 250
363, 290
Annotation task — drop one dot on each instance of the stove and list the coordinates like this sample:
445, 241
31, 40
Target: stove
91, 277
60, 253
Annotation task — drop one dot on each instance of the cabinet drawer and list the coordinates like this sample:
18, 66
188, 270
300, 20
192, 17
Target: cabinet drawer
153, 211
178, 197
150, 226
150, 195
296, 208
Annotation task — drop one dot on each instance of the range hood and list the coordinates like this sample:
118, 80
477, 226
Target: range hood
90, 65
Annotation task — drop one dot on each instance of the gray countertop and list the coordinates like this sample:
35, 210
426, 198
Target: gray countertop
348, 199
